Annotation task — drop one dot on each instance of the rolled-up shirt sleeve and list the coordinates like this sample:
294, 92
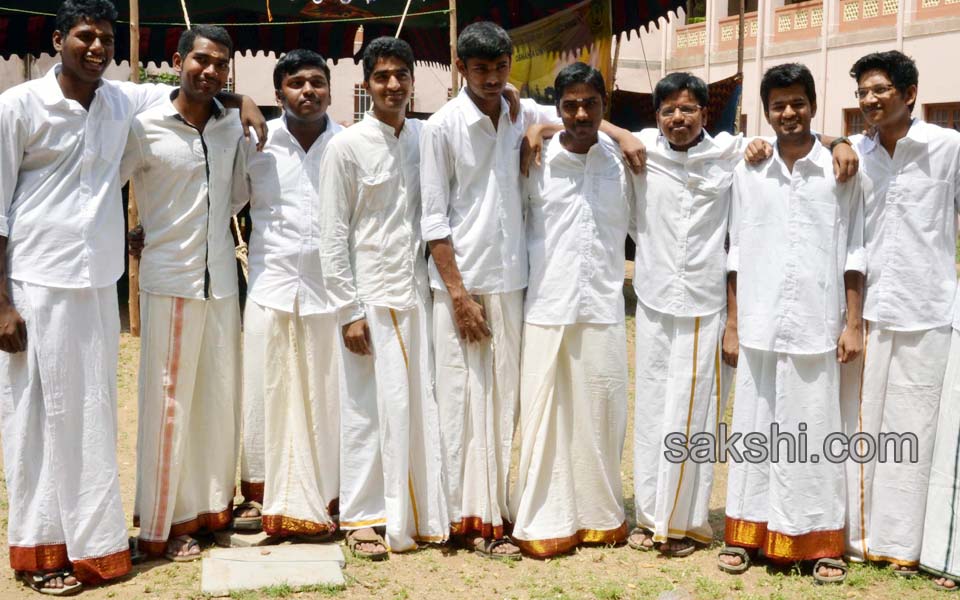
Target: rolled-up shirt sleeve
339, 194
856, 253
436, 174
12, 142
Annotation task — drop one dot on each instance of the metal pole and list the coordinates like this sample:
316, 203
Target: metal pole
742, 35
133, 215
454, 80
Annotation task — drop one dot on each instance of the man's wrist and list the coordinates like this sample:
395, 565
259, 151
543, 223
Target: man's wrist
837, 141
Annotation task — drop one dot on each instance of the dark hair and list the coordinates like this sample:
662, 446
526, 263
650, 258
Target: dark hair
293, 61
576, 73
72, 12
899, 67
785, 75
677, 82
484, 40
386, 47
214, 33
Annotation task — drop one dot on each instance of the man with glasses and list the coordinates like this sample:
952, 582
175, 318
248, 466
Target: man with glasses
912, 197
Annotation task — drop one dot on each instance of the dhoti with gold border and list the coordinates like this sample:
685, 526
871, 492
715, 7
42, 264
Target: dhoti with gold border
573, 413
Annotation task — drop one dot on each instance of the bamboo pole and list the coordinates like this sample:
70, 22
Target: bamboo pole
742, 34
133, 215
454, 81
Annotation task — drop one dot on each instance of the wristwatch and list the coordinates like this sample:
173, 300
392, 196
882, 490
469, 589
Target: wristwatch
840, 140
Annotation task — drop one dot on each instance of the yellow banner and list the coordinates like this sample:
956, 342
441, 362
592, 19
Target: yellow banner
541, 49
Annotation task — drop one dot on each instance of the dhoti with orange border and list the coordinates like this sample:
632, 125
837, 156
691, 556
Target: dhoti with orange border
58, 401
253, 413
789, 508
189, 417
390, 465
573, 415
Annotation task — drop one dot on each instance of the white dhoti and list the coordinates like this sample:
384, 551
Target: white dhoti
940, 553
390, 461
477, 392
790, 509
893, 389
573, 413
59, 401
189, 416
302, 434
252, 410
681, 387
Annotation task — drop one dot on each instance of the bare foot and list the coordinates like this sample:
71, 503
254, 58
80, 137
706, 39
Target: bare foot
246, 511
945, 583
60, 582
641, 537
504, 548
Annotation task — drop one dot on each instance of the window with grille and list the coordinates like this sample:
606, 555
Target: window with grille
362, 102
853, 121
946, 114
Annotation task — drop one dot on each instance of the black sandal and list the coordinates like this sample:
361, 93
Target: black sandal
36, 580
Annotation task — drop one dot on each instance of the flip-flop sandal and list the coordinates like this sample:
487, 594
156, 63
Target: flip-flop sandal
486, 549
640, 546
35, 580
248, 523
354, 539
318, 538
830, 563
734, 551
136, 556
905, 573
687, 550
188, 544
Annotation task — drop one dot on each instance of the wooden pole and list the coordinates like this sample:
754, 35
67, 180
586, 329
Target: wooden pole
454, 81
741, 35
133, 215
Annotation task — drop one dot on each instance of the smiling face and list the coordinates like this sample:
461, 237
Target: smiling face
881, 103
486, 78
204, 70
681, 119
85, 50
390, 85
790, 113
581, 109
305, 94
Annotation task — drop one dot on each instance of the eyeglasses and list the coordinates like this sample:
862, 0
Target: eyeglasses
687, 110
877, 91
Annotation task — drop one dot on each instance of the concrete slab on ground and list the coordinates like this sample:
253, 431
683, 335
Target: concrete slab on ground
227, 570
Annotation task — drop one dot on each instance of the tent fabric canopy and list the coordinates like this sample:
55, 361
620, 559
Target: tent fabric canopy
328, 27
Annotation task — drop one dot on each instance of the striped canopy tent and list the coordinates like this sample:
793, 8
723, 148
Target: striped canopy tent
328, 26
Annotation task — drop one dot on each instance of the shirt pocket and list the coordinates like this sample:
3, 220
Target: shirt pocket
924, 200
378, 189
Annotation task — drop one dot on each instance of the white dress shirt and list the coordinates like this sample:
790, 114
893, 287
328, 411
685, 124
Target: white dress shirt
792, 237
60, 204
470, 180
183, 181
578, 213
370, 245
682, 212
283, 183
910, 227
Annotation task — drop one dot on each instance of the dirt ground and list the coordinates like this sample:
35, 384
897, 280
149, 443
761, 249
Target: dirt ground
434, 573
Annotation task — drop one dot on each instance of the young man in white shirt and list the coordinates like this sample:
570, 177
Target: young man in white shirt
180, 155
795, 267
473, 224
573, 375
372, 256
911, 204
290, 321
61, 236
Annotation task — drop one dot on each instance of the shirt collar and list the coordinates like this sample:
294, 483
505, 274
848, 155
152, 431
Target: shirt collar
169, 110
51, 94
279, 127
706, 144
472, 113
371, 120
556, 152
917, 133
814, 156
